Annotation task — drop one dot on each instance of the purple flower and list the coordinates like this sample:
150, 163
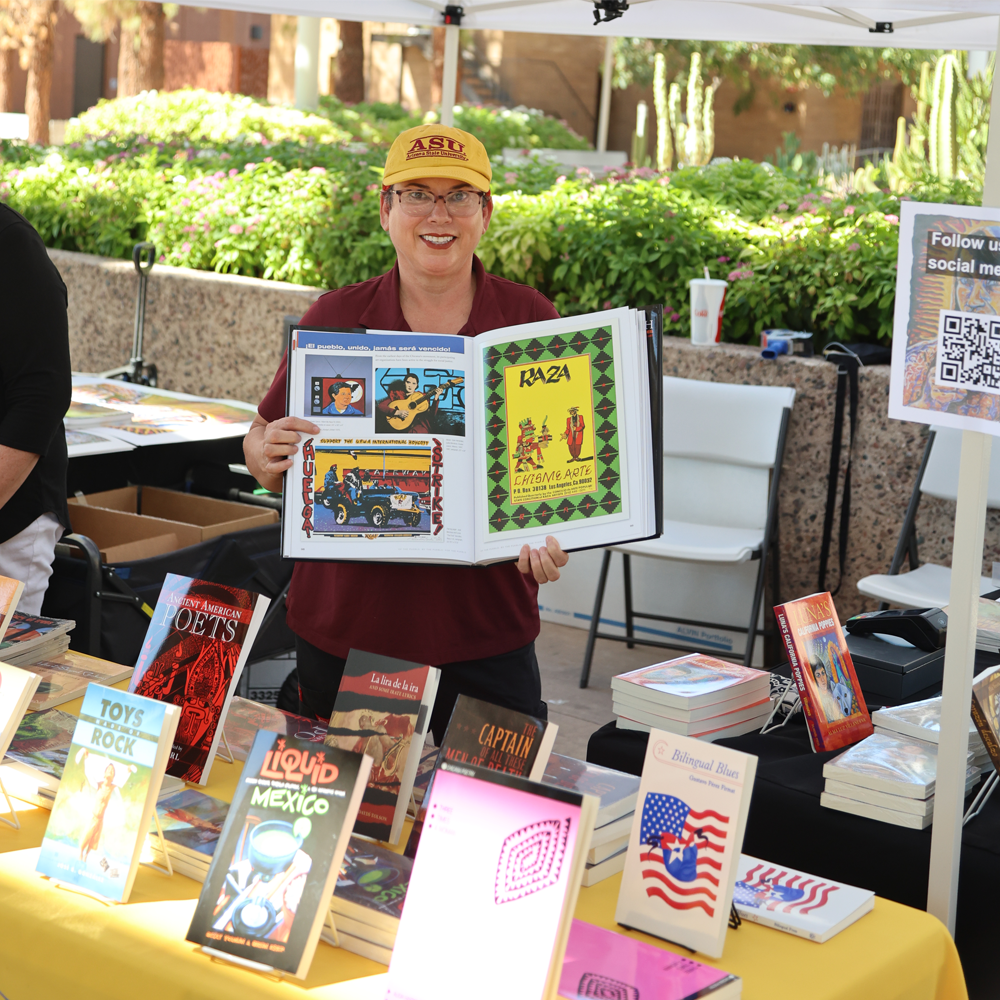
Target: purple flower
234, 172
185, 202
893, 220
236, 229
854, 246
722, 260
607, 305
783, 207
185, 247
560, 227
742, 272
849, 210
674, 317
510, 177
312, 170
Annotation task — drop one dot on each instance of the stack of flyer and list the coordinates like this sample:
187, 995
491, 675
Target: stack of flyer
694, 695
617, 792
888, 778
921, 720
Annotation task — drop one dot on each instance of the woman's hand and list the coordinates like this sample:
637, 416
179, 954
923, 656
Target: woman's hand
544, 562
268, 448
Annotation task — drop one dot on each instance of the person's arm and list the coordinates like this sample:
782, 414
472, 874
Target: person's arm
268, 448
544, 562
15, 467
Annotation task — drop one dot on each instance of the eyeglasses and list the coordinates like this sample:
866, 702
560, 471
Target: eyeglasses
460, 204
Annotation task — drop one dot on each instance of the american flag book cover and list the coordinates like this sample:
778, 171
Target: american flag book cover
685, 841
800, 904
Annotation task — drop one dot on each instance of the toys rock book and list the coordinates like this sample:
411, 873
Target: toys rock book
195, 649
108, 791
448, 449
382, 709
277, 859
685, 842
834, 708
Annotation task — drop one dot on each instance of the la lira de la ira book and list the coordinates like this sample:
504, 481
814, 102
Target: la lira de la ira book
834, 708
196, 646
685, 842
448, 449
104, 806
268, 889
383, 707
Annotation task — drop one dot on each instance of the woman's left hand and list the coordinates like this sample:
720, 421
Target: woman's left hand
544, 562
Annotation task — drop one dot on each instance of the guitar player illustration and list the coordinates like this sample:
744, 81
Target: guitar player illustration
409, 411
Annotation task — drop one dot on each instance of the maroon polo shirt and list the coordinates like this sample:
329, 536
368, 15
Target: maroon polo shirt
432, 614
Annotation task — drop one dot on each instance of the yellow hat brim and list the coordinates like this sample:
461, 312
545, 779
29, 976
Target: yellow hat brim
452, 173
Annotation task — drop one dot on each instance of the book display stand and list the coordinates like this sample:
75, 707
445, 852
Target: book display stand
228, 758
982, 797
13, 821
169, 870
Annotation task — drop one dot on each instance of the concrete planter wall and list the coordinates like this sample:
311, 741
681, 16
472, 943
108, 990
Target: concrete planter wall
219, 335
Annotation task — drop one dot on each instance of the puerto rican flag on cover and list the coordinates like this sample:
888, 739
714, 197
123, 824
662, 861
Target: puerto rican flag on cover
681, 860
770, 887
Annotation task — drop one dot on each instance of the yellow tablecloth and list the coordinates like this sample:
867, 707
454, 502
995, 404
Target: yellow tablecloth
59, 945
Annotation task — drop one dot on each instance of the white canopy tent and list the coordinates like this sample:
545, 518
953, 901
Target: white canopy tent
932, 24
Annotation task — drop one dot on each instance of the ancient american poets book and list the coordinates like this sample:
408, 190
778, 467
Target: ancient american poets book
616, 791
10, 594
834, 708
460, 450
108, 791
383, 708
32, 637
195, 649
246, 717
65, 677
272, 874
601, 963
986, 711
500, 861
684, 847
16, 688
792, 901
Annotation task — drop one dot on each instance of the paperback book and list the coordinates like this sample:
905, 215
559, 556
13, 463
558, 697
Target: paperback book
834, 708
685, 842
16, 688
548, 428
10, 594
269, 885
920, 720
37, 755
245, 718
108, 791
986, 711
65, 677
191, 822
382, 709
795, 902
615, 790
520, 847
601, 963
32, 637
195, 649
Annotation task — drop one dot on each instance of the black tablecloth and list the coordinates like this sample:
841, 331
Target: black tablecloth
787, 825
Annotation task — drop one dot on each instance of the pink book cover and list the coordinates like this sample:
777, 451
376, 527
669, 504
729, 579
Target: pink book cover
601, 963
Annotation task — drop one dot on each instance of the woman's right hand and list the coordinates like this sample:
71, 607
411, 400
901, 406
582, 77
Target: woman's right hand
269, 447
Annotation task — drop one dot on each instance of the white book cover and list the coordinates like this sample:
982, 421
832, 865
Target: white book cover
685, 843
616, 790
881, 813
737, 729
901, 803
627, 710
919, 719
17, 687
795, 902
896, 764
693, 681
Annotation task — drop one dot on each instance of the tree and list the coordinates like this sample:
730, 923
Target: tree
350, 83
27, 27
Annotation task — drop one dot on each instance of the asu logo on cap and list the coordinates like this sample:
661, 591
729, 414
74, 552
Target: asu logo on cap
437, 145
438, 151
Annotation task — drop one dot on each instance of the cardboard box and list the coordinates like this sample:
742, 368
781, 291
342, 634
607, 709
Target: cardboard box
137, 522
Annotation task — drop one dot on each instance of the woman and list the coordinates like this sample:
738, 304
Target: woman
477, 623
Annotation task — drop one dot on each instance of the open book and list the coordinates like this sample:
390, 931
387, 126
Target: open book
449, 449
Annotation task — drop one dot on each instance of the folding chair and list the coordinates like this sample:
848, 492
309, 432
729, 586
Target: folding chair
928, 585
723, 447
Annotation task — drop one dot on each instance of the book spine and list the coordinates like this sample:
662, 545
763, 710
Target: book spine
985, 732
815, 736
756, 917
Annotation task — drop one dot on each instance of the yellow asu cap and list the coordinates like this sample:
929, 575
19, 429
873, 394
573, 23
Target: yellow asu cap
438, 151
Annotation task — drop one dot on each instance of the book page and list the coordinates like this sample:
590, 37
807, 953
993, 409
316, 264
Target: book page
389, 476
565, 412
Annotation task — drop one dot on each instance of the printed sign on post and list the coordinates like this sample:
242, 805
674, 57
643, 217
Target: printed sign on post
946, 329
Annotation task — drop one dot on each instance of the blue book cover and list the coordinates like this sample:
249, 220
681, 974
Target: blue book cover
109, 785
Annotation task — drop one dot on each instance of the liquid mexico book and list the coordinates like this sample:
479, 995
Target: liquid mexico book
447, 449
834, 708
108, 791
195, 649
268, 889
382, 709
686, 836
500, 864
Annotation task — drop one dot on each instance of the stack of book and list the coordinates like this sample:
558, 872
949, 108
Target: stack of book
696, 695
888, 778
30, 638
617, 792
921, 720
191, 822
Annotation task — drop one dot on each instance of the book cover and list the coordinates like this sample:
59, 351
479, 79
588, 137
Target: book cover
268, 889
66, 677
834, 709
191, 822
108, 790
195, 649
42, 740
601, 963
986, 711
517, 848
795, 902
10, 594
383, 708
30, 636
246, 717
685, 841
371, 886
428, 758
919, 719
16, 688
616, 790
693, 681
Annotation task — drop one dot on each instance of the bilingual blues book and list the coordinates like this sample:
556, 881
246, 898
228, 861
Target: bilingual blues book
108, 790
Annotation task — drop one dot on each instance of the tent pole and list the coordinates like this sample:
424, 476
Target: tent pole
963, 613
449, 80
606, 80
307, 63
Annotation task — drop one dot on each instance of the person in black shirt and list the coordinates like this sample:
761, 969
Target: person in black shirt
35, 392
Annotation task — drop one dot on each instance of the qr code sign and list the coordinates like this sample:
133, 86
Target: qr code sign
968, 354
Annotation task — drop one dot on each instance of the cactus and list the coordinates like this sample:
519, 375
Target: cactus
640, 137
899, 149
924, 98
942, 137
664, 144
677, 125
694, 140
709, 119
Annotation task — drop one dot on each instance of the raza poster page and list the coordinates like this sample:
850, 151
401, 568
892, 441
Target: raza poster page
946, 327
389, 476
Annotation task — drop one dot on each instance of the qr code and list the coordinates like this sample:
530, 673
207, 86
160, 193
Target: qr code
968, 354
